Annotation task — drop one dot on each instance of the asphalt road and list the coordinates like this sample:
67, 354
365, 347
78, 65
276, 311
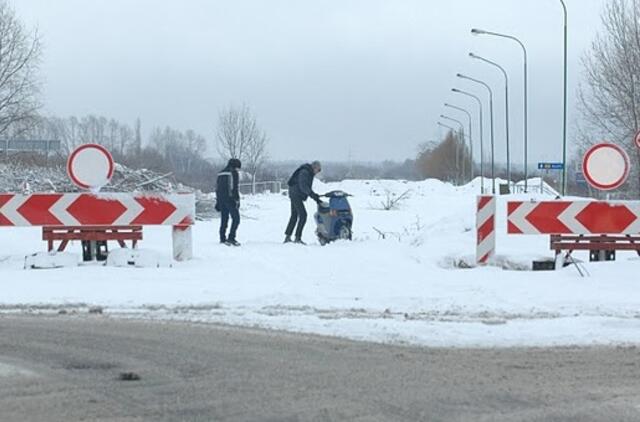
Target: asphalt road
68, 368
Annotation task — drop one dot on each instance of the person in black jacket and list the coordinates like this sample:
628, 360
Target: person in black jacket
228, 201
300, 188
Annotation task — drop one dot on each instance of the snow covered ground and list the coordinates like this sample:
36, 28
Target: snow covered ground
405, 288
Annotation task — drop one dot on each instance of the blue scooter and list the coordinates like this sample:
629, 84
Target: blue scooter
334, 218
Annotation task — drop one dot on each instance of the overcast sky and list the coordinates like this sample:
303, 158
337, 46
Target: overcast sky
327, 79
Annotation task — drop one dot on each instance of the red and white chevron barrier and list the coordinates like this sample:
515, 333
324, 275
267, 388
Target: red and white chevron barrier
85, 209
486, 229
574, 217
105, 209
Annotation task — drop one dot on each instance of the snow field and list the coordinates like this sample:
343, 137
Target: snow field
403, 288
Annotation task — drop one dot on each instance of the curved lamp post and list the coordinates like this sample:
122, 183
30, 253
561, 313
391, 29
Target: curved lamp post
476, 31
506, 99
564, 123
479, 101
493, 160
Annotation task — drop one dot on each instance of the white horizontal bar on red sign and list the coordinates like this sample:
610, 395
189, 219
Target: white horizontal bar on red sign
107, 209
574, 217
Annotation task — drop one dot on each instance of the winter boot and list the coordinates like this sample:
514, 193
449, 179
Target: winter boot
233, 242
287, 239
299, 241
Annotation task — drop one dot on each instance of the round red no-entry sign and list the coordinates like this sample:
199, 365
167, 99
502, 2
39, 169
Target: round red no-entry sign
606, 166
90, 166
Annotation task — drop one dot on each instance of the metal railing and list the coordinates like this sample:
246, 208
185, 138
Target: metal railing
43, 146
260, 187
541, 188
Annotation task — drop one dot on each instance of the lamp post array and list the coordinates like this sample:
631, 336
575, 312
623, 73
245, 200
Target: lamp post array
482, 32
468, 114
453, 130
526, 102
476, 31
461, 157
479, 101
493, 150
506, 99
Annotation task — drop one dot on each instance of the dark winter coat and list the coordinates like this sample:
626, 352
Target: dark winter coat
301, 182
227, 186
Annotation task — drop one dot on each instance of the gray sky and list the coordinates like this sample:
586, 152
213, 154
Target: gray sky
325, 78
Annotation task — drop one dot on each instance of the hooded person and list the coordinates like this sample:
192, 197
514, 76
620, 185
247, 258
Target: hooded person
228, 201
301, 188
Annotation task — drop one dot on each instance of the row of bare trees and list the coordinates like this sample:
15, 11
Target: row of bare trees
74, 131
166, 149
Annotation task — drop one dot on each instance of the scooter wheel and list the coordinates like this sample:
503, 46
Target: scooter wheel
344, 233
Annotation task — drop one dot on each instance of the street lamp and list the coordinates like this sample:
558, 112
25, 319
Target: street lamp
493, 161
476, 31
470, 134
479, 101
442, 116
506, 100
446, 126
564, 123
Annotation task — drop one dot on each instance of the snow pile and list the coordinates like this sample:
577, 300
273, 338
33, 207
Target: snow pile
50, 260
407, 277
137, 258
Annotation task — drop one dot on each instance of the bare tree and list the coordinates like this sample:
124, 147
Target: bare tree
20, 53
240, 137
609, 100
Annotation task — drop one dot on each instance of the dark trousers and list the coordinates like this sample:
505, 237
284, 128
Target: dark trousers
298, 215
226, 210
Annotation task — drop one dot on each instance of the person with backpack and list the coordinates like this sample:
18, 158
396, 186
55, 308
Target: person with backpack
228, 201
300, 188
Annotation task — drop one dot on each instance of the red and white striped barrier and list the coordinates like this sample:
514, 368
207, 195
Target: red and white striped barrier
85, 209
574, 217
105, 209
486, 229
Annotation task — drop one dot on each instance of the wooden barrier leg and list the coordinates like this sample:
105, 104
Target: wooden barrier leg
182, 243
63, 245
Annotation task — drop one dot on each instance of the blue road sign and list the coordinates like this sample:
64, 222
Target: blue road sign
550, 166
